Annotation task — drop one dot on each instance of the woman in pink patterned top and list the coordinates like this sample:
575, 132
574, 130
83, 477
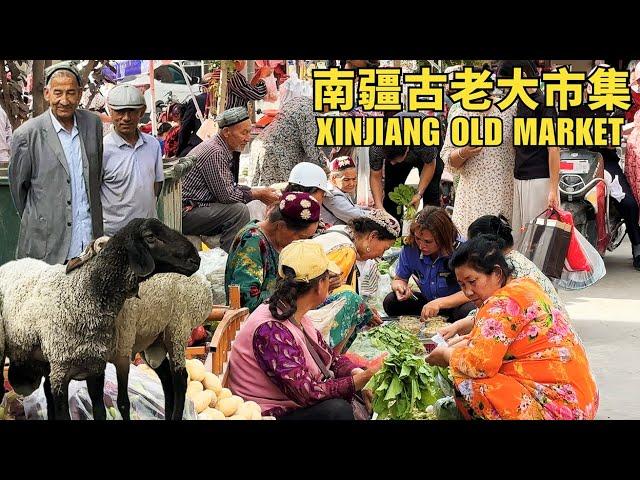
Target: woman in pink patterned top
280, 361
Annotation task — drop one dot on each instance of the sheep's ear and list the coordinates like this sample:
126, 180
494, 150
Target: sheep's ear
140, 260
75, 262
100, 243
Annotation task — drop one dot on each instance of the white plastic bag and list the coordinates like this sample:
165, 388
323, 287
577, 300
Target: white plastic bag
294, 87
323, 317
363, 195
145, 394
213, 264
576, 280
376, 300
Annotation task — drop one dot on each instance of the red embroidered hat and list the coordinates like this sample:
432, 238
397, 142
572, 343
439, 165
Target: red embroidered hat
342, 163
300, 206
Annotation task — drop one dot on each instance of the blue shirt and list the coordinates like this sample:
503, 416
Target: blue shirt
129, 174
81, 228
433, 276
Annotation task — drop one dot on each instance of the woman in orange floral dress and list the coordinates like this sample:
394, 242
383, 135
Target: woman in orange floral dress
522, 360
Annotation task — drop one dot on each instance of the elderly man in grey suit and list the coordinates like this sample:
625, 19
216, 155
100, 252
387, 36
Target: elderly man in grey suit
55, 173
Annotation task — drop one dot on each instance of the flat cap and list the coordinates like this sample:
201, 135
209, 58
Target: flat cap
232, 116
125, 96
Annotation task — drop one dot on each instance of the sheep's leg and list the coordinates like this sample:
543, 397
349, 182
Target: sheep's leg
1, 375
175, 340
95, 385
164, 372
60, 392
48, 394
122, 373
179, 390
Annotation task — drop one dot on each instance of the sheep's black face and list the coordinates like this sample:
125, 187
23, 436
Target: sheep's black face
170, 250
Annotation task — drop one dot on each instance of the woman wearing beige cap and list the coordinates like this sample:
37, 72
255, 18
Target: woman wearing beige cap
279, 359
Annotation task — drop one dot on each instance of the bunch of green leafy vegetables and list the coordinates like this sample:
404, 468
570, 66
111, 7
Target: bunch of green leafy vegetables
383, 267
392, 338
402, 195
405, 387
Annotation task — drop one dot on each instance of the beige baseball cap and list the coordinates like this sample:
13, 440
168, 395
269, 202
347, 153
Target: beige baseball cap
307, 259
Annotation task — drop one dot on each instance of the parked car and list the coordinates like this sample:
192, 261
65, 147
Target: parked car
170, 84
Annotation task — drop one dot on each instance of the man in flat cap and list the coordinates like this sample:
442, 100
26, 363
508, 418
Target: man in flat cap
132, 165
55, 173
212, 202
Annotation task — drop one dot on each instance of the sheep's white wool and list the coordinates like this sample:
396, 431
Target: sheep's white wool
171, 306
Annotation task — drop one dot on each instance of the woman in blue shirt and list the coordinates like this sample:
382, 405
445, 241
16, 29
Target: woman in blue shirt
431, 241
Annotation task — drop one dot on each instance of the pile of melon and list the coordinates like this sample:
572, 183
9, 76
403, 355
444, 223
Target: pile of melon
212, 401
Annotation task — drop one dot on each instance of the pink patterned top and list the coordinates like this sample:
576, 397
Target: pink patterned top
271, 365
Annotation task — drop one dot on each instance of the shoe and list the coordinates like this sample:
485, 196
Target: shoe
636, 262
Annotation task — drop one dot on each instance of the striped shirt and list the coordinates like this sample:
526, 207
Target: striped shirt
210, 180
240, 91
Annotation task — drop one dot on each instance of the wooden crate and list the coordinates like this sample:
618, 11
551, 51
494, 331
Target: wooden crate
216, 353
218, 350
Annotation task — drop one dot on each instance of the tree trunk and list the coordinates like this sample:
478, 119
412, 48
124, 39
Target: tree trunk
37, 89
84, 73
251, 104
6, 99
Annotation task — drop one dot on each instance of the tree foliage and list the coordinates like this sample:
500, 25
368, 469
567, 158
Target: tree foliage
22, 85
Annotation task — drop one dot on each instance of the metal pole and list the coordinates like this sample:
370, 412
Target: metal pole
193, 97
152, 82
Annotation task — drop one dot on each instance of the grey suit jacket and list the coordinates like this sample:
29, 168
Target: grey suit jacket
339, 209
41, 186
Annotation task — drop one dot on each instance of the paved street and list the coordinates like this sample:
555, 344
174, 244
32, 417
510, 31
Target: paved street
607, 317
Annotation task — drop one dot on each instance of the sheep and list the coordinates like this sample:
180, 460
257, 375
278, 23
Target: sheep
60, 322
160, 321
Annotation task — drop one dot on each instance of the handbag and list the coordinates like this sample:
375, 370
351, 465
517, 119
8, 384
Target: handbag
208, 129
546, 242
360, 411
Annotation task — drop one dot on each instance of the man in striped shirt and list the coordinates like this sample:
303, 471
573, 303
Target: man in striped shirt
240, 91
212, 202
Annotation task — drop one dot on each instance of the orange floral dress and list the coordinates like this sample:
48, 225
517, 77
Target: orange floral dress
523, 361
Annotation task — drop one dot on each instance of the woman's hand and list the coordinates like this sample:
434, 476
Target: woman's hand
415, 200
439, 356
431, 309
462, 342
362, 378
468, 152
375, 319
367, 396
335, 281
450, 330
461, 327
459, 341
552, 200
403, 292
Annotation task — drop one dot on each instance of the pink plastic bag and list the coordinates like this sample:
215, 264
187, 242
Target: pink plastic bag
272, 88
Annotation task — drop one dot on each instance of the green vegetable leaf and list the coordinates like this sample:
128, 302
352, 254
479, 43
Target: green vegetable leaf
394, 389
